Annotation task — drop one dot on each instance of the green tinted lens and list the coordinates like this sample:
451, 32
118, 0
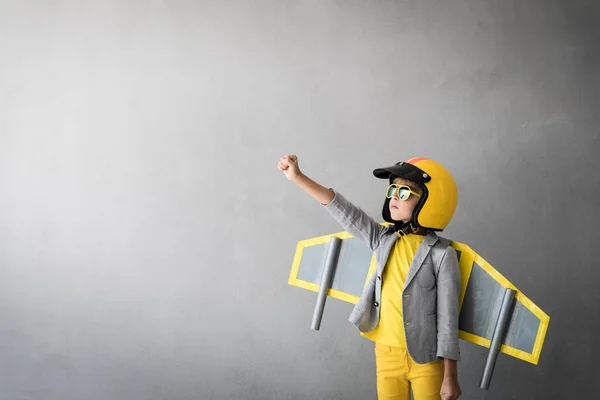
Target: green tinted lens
404, 193
390, 190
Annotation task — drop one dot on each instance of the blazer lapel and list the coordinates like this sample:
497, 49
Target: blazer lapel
420, 256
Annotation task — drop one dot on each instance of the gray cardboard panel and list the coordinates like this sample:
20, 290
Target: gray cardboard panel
522, 329
352, 267
480, 308
481, 304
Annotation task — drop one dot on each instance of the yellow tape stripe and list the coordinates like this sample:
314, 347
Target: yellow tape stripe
511, 351
336, 294
296, 262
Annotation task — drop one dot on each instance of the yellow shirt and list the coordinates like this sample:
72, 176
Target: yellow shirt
390, 329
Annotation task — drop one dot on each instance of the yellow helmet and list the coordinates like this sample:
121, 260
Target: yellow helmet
436, 206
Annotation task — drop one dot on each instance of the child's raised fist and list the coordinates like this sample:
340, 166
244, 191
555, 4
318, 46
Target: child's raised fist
289, 165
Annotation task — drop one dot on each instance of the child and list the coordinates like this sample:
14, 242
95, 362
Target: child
409, 307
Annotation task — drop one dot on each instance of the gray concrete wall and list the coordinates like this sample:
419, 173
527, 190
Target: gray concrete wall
146, 235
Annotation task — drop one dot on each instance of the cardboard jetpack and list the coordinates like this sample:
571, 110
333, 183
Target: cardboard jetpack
493, 312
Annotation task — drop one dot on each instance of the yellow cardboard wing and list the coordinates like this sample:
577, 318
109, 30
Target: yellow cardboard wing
481, 300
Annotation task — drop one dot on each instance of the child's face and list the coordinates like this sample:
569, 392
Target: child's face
402, 210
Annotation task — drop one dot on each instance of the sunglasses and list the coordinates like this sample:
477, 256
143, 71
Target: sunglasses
404, 191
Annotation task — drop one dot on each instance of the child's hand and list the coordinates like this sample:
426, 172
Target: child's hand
450, 389
289, 165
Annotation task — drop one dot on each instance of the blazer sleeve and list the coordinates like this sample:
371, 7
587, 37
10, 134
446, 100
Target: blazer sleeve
448, 292
355, 221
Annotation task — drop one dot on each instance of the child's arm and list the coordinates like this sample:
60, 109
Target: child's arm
318, 192
352, 218
289, 166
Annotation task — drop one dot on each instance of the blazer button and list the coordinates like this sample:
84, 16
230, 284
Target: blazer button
408, 324
376, 304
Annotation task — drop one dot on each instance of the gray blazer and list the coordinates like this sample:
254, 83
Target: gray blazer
430, 294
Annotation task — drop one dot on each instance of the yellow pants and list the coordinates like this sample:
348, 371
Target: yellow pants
397, 373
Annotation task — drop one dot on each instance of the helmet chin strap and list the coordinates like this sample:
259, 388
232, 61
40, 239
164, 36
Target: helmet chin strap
405, 228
